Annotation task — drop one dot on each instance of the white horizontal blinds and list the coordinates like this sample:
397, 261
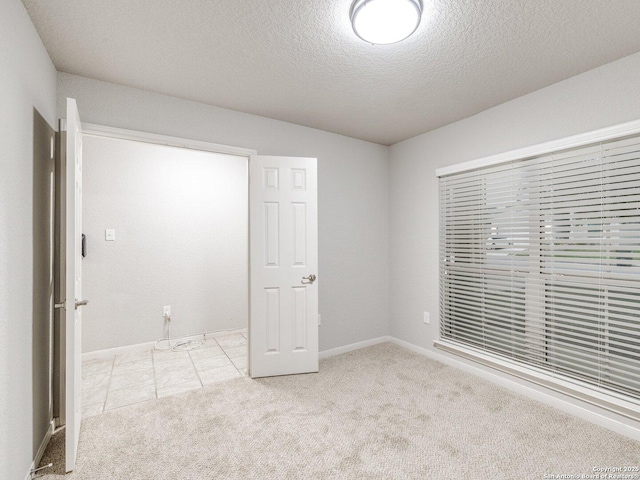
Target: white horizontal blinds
540, 262
485, 237
591, 257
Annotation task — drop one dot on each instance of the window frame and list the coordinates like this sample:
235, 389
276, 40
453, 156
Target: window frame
614, 401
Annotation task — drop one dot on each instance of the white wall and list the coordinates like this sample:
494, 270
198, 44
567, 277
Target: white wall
28, 81
352, 198
601, 97
180, 218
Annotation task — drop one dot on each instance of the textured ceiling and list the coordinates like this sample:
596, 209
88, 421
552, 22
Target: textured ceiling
299, 61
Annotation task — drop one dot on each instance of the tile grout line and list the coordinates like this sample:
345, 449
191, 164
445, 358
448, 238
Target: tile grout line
196, 368
122, 388
83, 379
225, 352
104, 405
153, 367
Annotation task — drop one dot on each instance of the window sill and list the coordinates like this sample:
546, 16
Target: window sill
611, 401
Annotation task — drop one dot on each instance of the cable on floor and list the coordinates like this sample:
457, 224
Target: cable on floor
178, 345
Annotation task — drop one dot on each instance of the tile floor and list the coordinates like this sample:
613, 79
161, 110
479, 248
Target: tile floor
138, 377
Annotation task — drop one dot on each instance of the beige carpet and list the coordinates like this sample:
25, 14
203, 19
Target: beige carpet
380, 412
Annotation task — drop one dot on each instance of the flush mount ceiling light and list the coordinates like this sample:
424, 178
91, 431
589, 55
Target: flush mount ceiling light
385, 21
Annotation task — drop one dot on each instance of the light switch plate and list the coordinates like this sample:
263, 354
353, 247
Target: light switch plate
109, 235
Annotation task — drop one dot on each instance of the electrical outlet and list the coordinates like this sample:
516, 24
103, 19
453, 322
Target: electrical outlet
166, 311
426, 317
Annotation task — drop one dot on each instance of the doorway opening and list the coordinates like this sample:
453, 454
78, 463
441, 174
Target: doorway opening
166, 262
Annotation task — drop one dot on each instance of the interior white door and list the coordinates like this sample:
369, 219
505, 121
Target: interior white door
283, 230
73, 303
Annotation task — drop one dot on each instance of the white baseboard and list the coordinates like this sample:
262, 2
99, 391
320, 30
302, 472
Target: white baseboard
141, 347
568, 406
110, 352
40, 452
353, 346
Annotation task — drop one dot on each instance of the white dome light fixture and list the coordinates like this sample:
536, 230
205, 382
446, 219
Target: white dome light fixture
382, 22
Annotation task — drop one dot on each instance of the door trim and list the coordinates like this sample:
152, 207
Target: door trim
97, 130
159, 139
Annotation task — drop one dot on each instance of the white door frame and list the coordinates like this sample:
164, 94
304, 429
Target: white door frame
157, 139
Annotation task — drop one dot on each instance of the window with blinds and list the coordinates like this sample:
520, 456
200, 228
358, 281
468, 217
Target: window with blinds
540, 262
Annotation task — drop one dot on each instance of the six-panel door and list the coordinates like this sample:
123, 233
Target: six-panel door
283, 325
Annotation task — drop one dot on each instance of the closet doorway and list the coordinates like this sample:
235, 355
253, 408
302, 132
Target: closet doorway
165, 269
193, 277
